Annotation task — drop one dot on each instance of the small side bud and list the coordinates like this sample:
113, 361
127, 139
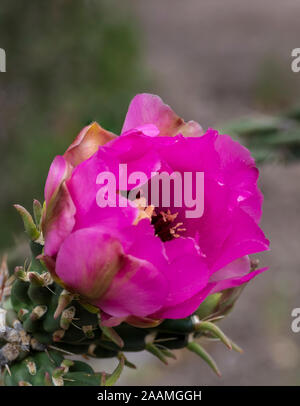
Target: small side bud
29, 225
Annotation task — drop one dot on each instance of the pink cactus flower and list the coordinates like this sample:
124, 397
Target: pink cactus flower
152, 263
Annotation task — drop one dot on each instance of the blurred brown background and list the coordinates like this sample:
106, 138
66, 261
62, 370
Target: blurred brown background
212, 61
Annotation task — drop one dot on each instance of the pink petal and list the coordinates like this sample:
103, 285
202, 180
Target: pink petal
223, 284
179, 260
136, 150
221, 159
187, 272
237, 268
187, 275
87, 143
150, 109
58, 218
240, 174
88, 260
190, 306
138, 289
93, 263
149, 129
141, 242
58, 172
245, 238
185, 308
84, 188
59, 221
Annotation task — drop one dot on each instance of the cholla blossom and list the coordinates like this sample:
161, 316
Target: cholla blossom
147, 262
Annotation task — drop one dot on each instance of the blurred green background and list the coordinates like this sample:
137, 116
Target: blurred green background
225, 64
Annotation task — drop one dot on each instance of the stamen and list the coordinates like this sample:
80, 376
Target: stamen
168, 216
161, 221
163, 225
144, 211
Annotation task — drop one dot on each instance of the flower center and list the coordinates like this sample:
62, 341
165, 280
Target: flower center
165, 226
